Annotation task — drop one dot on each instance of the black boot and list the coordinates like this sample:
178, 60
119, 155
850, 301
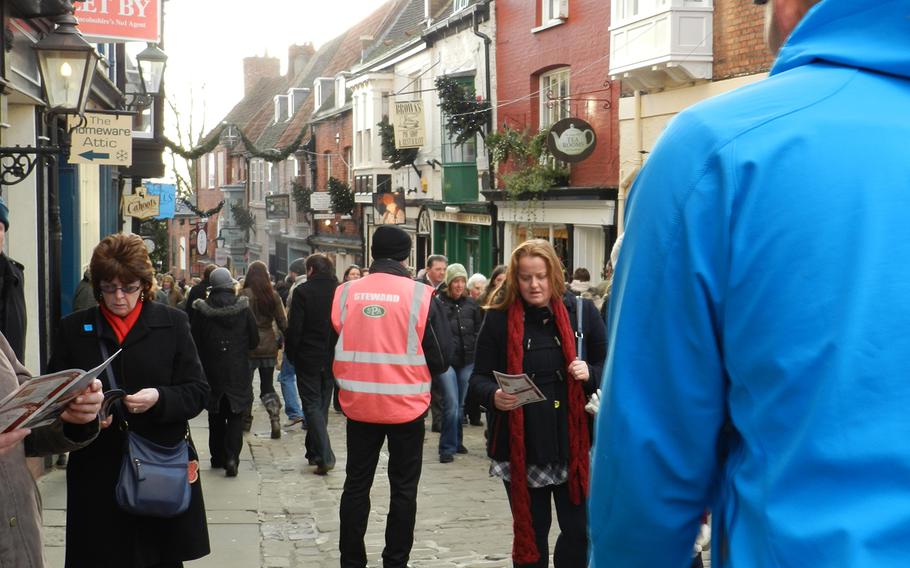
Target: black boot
248, 419
273, 406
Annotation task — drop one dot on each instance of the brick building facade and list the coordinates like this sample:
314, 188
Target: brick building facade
552, 62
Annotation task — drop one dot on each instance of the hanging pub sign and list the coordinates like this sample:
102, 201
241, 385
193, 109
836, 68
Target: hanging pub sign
278, 206
571, 140
119, 21
140, 205
389, 208
407, 118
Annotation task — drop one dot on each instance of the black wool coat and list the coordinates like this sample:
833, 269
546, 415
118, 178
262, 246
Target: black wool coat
309, 333
224, 329
465, 317
158, 352
13, 319
546, 422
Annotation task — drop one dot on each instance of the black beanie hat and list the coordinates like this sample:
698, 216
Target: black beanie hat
390, 242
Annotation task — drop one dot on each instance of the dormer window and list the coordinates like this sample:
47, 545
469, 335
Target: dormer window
339, 91
281, 108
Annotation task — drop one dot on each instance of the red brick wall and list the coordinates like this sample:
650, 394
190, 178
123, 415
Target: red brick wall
582, 43
325, 143
739, 41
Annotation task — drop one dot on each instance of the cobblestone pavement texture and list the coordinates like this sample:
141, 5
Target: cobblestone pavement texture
278, 513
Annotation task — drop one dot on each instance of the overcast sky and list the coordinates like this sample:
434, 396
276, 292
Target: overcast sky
206, 41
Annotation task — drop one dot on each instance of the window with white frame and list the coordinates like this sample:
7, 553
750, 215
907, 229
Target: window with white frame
551, 10
460, 5
219, 168
293, 167
554, 95
328, 165
339, 91
210, 168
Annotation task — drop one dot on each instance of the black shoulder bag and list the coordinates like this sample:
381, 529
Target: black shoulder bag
154, 480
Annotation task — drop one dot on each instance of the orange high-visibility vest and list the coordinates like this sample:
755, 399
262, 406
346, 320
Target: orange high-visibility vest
379, 363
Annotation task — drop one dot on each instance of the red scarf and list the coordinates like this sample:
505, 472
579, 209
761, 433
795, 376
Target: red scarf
524, 547
121, 325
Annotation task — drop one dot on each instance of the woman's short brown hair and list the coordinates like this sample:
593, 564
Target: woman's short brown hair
121, 256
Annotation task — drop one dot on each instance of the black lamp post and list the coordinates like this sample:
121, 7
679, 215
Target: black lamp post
67, 64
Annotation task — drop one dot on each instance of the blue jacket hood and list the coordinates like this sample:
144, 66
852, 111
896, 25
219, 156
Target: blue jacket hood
867, 34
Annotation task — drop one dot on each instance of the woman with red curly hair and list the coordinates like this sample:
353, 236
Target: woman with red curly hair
160, 371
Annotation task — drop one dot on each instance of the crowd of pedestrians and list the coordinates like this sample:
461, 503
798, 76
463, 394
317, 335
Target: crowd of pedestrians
742, 373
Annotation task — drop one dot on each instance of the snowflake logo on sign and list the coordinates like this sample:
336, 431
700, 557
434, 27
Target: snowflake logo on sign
122, 155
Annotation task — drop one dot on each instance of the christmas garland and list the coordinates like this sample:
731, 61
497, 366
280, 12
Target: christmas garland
342, 197
243, 217
200, 213
465, 114
301, 196
396, 158
271, 155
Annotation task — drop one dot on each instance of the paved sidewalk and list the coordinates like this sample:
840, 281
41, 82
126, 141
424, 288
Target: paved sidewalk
277, 513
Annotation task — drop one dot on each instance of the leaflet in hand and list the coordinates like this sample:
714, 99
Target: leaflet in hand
521, 386
41, 400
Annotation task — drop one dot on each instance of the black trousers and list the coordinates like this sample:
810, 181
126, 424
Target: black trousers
405, 462
572, 543
266, 377
225, 433
316, 394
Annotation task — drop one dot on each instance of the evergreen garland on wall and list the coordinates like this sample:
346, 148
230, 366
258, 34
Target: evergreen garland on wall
243, 217
396, 158
199, 212
464, 113
301, 196
342, 197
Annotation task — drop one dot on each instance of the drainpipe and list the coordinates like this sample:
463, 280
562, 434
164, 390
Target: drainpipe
486, 56
627, 181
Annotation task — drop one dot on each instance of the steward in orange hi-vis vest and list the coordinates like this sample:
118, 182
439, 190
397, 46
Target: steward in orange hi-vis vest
379, 363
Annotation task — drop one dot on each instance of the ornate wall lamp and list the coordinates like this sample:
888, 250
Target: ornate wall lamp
151, 62
67, 64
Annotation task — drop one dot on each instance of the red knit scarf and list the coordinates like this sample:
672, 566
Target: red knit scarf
121, 325
524, 547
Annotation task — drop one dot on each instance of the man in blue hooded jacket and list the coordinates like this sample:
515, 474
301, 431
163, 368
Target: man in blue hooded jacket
759, 347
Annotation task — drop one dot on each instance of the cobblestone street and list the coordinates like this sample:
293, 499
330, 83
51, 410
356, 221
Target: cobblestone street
277, 513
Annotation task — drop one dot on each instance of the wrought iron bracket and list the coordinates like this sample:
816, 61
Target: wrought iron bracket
17, 162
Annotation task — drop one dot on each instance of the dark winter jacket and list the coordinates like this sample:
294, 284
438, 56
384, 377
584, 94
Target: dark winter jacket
309, 333
158, 352
224, 330
546, 422
84, 296
199, 291
465, 317
12, 304
267, 320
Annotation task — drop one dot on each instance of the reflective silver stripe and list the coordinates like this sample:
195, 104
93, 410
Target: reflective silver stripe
411, 358
379, 358
419, 290
383, 388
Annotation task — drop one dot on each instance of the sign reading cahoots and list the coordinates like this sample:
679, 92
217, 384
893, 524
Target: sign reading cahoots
571, 140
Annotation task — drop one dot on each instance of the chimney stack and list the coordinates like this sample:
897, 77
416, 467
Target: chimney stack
298, 57
256, 68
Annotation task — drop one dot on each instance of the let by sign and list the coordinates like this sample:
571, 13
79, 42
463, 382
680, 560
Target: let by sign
120, 20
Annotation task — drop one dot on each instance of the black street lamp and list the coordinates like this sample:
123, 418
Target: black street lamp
151, 61
67, 63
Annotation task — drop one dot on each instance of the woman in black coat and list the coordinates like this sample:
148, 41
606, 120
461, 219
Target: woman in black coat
540, 450
224, 329
159, 369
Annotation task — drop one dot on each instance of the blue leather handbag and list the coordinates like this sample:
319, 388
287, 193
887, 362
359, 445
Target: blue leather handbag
154, 479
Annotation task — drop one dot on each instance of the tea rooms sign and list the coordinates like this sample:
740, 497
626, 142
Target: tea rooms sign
571, 140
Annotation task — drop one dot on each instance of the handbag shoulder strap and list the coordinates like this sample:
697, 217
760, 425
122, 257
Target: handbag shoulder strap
580, 332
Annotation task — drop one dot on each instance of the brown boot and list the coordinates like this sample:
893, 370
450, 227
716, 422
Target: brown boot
273, 406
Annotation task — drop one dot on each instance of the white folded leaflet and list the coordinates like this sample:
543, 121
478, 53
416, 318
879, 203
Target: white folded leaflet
521, 386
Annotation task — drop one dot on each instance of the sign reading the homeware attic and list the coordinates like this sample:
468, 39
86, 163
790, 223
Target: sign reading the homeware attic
104, 139
407, 118
113, 21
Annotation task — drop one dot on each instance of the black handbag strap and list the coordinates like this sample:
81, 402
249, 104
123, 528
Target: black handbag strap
117, 405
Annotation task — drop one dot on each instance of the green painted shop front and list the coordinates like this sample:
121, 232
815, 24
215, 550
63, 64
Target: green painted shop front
465, 238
